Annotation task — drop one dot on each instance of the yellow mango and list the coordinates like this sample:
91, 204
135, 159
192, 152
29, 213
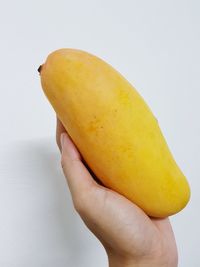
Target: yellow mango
114, 130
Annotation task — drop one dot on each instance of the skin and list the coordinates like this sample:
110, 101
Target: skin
129, 236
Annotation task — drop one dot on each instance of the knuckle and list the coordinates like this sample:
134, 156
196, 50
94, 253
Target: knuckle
62, 163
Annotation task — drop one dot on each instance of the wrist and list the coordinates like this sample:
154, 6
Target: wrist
120, 258
122, 262
118, 261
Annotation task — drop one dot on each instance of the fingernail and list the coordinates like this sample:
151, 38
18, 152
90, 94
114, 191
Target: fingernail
68, 147
62, 140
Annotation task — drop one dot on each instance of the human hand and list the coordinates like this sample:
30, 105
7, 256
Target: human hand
129, 236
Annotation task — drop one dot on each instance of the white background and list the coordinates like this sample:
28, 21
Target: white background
156, 46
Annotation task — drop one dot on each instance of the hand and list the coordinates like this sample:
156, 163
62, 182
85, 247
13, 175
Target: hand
129, 236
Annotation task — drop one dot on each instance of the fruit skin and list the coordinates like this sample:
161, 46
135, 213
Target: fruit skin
115, 131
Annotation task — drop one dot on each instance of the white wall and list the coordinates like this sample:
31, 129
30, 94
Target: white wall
155, 45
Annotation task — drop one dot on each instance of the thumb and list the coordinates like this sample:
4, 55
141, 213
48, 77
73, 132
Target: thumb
78, 177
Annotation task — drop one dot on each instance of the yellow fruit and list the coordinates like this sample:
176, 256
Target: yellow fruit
115, 131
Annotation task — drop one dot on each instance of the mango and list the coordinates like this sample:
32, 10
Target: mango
114, 130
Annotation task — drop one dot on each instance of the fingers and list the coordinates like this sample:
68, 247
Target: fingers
59, 130
78, 177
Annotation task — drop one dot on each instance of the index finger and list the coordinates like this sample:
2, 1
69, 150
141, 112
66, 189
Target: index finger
59, 130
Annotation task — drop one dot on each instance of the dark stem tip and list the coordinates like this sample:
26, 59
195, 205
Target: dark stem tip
40, 68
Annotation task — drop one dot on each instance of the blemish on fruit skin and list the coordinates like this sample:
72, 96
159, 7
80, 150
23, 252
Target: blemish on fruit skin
94, 124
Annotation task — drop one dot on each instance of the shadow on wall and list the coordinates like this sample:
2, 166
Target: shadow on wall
39, 226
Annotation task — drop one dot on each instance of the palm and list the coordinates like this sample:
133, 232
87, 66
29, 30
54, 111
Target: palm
121, 226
